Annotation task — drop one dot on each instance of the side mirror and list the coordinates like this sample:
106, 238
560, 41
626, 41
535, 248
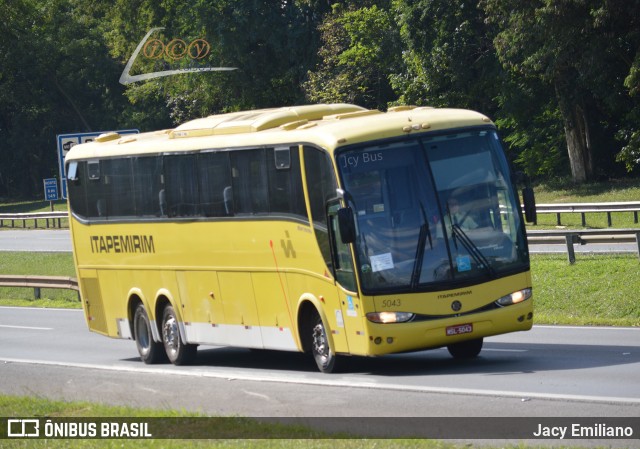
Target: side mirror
347, 225
529, 200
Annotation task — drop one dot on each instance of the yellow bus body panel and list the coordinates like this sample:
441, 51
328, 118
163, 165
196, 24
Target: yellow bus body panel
242, 281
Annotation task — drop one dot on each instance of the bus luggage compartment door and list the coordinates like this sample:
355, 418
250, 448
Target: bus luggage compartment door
92, 301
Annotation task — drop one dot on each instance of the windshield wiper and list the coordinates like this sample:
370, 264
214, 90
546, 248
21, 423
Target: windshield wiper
471, 247
425, 233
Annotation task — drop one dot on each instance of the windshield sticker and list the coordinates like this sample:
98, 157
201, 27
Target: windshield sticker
351, 310
463, 263
381, 262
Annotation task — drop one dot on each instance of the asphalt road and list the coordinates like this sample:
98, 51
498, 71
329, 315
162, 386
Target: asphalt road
35, 240
546, 372
60, 240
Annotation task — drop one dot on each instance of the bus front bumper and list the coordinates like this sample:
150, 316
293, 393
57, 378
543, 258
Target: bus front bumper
419, 335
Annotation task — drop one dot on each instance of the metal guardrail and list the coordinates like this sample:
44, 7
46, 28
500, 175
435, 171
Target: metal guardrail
583, 237
51, 218
584, 208
569, 238
38, 282
558, 209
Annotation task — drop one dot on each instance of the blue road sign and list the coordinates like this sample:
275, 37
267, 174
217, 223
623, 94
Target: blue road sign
66, 141
50, 189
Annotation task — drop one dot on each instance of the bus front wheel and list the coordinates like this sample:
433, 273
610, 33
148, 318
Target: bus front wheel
323, 355
179, 353
466, 349
150, 351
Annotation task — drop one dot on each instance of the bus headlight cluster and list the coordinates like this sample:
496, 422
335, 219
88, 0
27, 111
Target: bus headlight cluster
390, 317
515, 297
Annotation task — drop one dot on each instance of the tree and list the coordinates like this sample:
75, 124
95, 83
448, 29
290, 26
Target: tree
575, 48
55, 77
270, 44
626, 19
448, 55
359, 53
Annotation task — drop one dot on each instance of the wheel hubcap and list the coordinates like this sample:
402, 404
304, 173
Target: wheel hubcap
171, 334
320, 346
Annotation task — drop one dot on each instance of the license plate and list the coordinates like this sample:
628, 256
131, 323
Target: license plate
459, 329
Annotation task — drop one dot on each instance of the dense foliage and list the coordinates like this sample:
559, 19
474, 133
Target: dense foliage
561, 78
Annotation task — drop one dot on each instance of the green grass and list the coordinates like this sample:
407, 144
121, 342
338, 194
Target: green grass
596, 290
566, 192
255, 434
596, 220
43, 264
15, 406
23, 207
30, 207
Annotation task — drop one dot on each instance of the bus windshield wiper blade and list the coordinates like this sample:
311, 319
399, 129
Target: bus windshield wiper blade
477, 255
425, 232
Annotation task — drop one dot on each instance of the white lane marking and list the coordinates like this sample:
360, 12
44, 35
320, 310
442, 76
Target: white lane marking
257, 395
42, 309
28, 327
505, 350
18, 250
540, 326
587, 328
281, 378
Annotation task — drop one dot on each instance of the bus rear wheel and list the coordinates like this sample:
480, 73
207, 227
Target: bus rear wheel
322, 353
466, 349
150, 351
178, 352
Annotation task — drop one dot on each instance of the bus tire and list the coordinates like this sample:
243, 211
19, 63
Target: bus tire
150, 351
178, 352
325, 358
466, 349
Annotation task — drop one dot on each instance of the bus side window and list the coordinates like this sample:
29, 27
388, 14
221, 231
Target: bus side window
93, 188
117, 188
285, 182
148, 187
214, 174
321, 186
180, 189
249, 182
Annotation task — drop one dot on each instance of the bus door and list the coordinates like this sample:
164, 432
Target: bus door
350, 314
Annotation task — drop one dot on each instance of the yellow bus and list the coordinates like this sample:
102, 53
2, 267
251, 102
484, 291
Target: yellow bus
328, 229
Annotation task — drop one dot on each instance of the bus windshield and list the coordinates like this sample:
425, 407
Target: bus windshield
433, 210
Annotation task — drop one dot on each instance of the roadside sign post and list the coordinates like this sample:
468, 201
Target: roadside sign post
66, 141
50, 190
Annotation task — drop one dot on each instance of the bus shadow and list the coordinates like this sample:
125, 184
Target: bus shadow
495, 359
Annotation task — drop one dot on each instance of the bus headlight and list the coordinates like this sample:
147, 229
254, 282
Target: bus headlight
514, 298
390, 317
